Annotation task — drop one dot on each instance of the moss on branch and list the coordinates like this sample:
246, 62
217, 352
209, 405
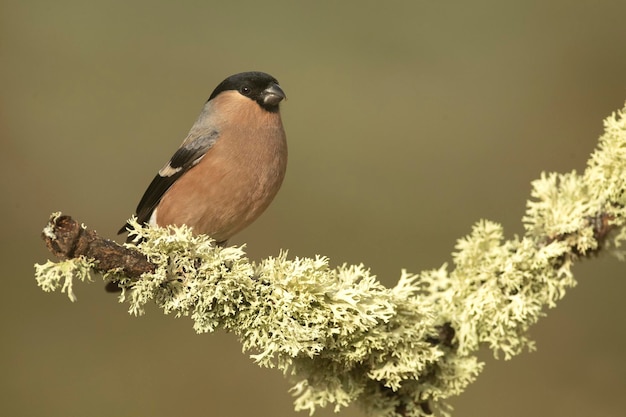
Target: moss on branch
338, 333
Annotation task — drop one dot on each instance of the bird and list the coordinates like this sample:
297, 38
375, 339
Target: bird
230, 165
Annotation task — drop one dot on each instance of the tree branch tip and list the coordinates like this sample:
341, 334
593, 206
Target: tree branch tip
67, 239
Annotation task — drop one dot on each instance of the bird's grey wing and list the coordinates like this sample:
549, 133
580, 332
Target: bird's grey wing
188, 155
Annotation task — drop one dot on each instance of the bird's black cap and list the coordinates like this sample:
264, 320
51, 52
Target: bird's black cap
258, 86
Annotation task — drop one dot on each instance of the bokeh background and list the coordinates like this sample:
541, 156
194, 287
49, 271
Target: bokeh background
407, 122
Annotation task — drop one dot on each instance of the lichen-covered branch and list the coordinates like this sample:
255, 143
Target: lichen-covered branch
67, 239
343, 337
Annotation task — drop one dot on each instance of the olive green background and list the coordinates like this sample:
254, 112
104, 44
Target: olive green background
407, 122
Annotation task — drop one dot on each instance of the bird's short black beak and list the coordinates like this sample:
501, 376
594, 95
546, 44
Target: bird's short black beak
273, 95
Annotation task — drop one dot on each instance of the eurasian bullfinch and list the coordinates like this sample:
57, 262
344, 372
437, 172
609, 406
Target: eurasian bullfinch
229, 167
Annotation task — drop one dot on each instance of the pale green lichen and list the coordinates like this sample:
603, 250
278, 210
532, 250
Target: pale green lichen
52, 275
342, 337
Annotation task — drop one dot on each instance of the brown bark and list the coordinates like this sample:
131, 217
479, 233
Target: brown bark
67, 239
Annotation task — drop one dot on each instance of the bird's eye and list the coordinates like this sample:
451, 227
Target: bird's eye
244, 90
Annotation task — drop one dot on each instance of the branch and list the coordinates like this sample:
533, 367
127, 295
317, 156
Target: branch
65, 238
341, 335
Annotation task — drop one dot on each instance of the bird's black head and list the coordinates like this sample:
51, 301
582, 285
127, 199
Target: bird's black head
258, 86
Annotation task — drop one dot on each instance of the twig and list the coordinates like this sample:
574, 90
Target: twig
68, 239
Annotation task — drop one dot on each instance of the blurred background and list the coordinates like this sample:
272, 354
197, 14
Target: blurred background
407, 122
